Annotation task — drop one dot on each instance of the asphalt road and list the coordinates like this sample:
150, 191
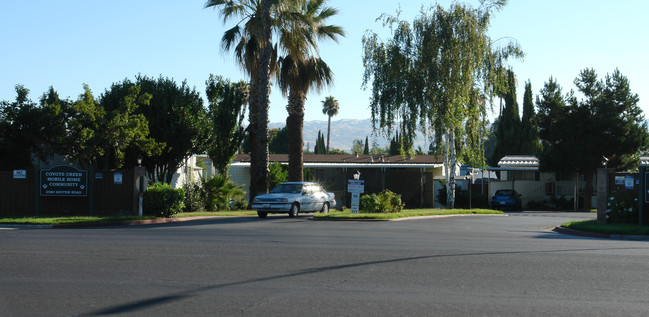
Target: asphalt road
280, 266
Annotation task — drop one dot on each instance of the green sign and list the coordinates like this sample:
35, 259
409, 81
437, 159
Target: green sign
64, 181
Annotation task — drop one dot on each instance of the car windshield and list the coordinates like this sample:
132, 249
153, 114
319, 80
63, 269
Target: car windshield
288, 188
505, 193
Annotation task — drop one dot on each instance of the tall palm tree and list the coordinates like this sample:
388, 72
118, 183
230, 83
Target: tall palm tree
251, 40
301, 70
330, 108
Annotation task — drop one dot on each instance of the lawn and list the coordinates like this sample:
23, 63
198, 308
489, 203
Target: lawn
331, 215
342, 215
593, 226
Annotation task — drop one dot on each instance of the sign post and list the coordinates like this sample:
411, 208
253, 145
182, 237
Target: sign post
355, 187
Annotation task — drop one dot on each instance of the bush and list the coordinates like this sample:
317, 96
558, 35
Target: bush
163, 200
193, 197
386, 201
462, 197
277, 174
622, 207
220, 194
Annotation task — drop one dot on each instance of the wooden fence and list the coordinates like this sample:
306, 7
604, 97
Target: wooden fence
109, 193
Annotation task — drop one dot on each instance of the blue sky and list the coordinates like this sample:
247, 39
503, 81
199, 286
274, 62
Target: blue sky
67, 43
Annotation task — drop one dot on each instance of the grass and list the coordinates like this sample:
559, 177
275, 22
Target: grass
593, 226
404, 214
52, 220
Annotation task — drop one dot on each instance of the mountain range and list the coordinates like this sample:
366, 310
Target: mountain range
343, 133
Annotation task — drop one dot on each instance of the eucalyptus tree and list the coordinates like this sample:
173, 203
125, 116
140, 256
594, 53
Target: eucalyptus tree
302, 70
330, 107
438, 75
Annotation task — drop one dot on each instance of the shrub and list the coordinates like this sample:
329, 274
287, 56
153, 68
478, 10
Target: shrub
277, 174
193, 197
386, 201
622, 207
163, 200
220, 192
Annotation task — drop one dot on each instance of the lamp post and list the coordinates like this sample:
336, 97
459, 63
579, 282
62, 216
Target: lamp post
141, 186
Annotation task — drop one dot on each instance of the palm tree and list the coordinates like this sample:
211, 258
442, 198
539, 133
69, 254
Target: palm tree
301, 70
330, 108
251, 40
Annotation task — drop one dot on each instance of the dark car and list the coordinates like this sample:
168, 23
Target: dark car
506, 199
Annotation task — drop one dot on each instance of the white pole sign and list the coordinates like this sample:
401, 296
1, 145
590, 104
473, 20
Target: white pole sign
356, 187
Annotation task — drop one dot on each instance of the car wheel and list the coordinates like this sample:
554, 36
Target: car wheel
325, 208
262, 214
294, 211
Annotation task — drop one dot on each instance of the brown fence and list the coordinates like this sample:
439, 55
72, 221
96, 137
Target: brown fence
20, 197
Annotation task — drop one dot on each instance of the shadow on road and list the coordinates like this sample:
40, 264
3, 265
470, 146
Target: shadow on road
140, 305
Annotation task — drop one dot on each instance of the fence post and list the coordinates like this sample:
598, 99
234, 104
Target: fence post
602, 194
37, 189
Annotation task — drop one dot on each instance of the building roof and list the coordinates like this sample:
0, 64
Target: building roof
355, 160
519, 161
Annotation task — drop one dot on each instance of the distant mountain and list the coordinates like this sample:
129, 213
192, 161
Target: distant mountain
343, 133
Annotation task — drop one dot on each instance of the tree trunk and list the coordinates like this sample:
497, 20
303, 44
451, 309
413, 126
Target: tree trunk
588, 191
253, 106
328, 131
263, 93
451, 161
294, 126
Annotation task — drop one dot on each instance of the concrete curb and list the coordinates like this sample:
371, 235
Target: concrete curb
600, 235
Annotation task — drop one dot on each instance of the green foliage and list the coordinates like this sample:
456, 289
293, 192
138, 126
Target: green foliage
226, 110
278, 174
194, 201
529, 136
437, 75
366, 151
357, 146
384, 202
320, 147
163, 200
508, 128
220, 193
278, 141
622, 207
576, 134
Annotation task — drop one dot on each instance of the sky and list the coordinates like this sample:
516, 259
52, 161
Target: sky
68, 43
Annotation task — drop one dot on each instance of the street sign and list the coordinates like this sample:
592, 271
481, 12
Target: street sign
355, 186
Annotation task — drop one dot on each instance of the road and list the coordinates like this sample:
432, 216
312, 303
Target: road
280, 266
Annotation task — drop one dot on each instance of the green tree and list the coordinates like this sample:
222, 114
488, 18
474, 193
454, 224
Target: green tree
508, 128
530, 144
436, 76
366, 151
278, 141
320, 147
27, 129
577, 134
302, 70
226, 110
177, 121
357, 146
330, 108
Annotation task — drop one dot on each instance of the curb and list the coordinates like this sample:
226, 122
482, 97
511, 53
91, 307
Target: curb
600, 235
134, 222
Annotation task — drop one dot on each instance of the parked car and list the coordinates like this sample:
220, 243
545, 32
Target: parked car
506, 198
293, 198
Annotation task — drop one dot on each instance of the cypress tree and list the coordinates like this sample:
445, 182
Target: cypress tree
366, 151
530, 144
508, 138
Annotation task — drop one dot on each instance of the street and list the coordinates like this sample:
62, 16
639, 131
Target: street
456, 266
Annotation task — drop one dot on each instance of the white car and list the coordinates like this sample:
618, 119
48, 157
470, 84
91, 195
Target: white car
294, 197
